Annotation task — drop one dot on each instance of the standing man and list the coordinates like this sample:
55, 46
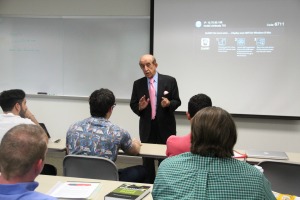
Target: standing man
154, 99
15, 110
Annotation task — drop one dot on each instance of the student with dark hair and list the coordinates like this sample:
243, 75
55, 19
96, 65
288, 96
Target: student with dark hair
181, 144
15, 111
22, 154
97, 136
209, 171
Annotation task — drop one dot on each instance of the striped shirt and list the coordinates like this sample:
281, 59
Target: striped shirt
191, 176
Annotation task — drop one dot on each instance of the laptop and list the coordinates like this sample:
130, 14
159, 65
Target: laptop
276, 155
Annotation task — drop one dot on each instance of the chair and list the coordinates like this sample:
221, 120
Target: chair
283, 176
90, 167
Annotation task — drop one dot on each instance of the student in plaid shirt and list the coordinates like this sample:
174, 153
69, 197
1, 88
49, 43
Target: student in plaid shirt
209, 171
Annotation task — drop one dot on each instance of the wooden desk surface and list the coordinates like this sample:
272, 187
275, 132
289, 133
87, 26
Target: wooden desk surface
47, 182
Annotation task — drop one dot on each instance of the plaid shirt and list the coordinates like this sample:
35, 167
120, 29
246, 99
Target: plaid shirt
190, 176
97, 137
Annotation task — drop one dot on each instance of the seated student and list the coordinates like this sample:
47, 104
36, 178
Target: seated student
97, 136
209, 171
15, 110
22, 154
181, 144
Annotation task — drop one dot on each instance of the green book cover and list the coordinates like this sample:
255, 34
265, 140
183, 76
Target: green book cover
129, 191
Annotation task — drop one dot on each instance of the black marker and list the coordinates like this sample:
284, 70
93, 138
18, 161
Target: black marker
42, 93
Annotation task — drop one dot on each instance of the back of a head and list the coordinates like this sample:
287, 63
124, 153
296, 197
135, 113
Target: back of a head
20, 148
9, 98
100, 102
213, 133
198, 102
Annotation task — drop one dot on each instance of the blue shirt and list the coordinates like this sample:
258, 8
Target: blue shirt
22, 191
96, 136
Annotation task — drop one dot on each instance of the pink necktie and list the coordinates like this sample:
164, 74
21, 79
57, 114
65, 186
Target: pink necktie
152, 98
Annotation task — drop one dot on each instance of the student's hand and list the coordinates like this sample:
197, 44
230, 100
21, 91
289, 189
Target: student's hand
30, 116
136, 141
135, 148
143, 103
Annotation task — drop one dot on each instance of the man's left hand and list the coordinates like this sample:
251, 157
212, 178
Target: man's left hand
165, 102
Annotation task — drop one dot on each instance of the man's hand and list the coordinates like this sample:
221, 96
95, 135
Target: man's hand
30, 116
165, 102
135, 148
143, 103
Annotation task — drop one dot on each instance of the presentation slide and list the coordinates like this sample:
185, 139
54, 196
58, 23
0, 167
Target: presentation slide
243, 54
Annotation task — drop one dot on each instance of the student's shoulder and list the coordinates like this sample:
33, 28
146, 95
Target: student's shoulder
175, 138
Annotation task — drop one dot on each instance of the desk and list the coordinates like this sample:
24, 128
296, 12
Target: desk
157, 151
147, 150
293, 157
47, 182
153, 150
59, 146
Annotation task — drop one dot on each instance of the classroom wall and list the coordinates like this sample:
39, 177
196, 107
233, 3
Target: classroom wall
265, 134
58, 113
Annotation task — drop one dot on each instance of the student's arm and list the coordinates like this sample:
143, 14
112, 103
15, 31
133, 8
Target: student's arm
30, 116
135, 148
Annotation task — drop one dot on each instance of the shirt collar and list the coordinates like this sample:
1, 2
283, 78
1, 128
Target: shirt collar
155, 77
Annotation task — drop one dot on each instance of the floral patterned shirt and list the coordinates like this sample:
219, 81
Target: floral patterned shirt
97, 137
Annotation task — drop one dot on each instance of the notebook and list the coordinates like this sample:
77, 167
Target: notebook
277, 155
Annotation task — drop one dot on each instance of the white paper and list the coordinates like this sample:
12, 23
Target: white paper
76, 190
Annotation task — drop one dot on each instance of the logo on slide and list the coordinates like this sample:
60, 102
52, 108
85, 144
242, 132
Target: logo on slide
205, 42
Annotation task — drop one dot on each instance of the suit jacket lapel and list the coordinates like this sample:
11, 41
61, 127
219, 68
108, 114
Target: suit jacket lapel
145, 87
160, 88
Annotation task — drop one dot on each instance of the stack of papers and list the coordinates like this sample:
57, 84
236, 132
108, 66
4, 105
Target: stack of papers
74, 190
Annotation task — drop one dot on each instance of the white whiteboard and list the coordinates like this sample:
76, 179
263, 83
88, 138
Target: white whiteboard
72, 56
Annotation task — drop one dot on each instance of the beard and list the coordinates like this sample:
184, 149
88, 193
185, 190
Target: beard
22, 112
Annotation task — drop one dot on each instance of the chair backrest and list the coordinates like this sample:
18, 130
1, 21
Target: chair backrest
283, 176
94, 167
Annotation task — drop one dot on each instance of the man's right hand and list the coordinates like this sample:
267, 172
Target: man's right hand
143, 103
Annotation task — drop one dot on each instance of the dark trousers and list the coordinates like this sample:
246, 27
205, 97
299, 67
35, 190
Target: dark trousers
149, 163
133, 174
